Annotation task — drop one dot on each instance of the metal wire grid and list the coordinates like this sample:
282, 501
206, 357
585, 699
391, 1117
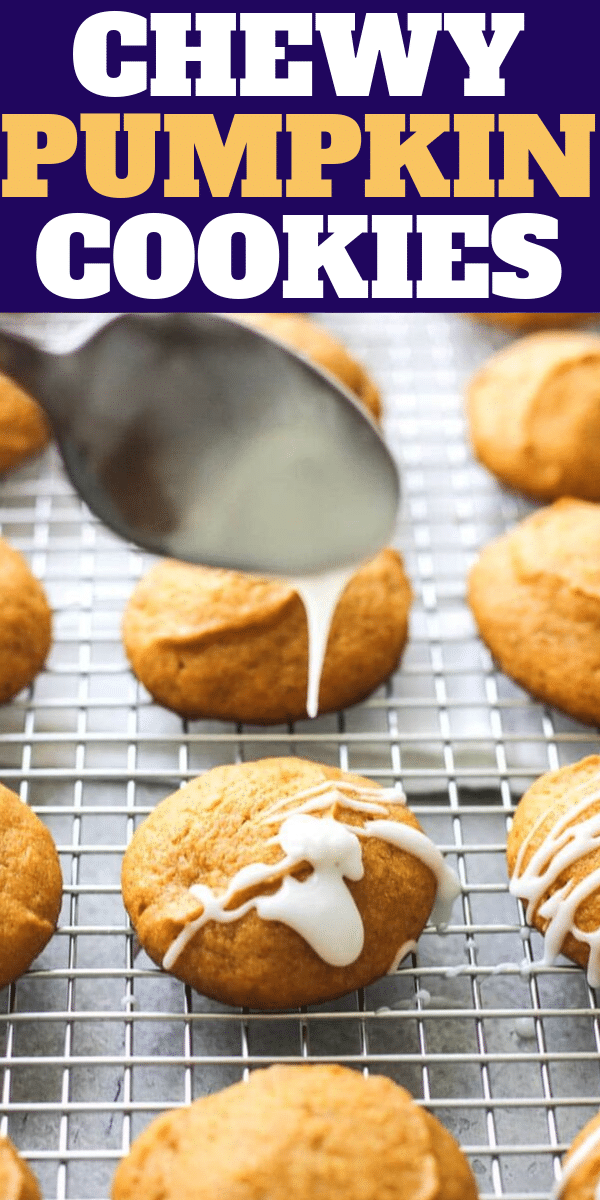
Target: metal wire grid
96, 1041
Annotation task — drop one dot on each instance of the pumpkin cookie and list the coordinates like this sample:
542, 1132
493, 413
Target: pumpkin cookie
214, 643
553, 854
218, 885
298, 1133
23, 426
526, 322
581, 1165
17, 1182
31, 887
535, 593
323, 348
534, 415
25, 623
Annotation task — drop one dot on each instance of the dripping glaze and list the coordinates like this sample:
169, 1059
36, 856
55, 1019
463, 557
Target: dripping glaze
321, 907
320, 595
564, 845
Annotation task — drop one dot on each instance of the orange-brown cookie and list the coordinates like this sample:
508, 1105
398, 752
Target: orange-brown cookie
534, 415
298, 1133
219, 887
17, 1182
213, 643
25, 623
535, 593
30, 884
317, 343
23, 426
553, 854
526, 322
581, 1165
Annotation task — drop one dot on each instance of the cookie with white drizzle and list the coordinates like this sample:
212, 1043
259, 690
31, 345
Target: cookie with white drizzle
580, 1174
282, 882
553, 856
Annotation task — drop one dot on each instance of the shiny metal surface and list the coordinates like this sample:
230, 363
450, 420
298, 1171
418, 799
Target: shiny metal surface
199, 437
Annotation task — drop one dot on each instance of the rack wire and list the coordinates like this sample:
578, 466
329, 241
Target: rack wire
96, 1041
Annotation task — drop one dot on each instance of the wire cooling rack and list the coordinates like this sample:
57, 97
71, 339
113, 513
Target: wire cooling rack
95, 1040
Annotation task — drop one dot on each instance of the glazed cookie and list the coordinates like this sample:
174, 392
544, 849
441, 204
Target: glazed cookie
553, 854
23, 426
526, 322
218, 885
534, 415
30, 884
535, 593
213, 643
580, 1177
17, 1182
25, 623
317, 343
298, 1133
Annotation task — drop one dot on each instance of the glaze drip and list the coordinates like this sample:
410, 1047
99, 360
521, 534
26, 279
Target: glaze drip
409, 947
563, 846
321, 907
320, 595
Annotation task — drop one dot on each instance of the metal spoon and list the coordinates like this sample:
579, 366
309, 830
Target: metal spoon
201, 438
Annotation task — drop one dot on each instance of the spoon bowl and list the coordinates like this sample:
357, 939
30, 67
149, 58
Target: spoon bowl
202, 438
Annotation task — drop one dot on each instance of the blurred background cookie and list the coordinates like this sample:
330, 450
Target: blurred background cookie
535, 594
580, 1177
318, 343
298, 1133
17, 1182
30, 886
25, 623
24, 429
215, 643
526, 322
219, 886
553, 854
534, 415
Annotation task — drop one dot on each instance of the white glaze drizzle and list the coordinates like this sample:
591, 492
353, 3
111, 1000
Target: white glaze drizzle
331, 791
564, 845
575, 1160
404, 837
525, 1028
320, 595
409, 947
321, 907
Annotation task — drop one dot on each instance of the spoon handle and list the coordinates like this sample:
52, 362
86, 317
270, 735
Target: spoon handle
29, 342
